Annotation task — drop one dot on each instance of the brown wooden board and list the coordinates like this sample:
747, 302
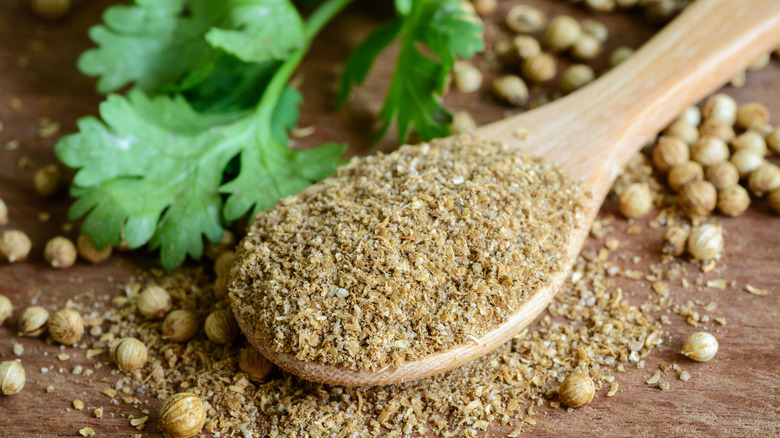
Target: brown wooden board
737, 394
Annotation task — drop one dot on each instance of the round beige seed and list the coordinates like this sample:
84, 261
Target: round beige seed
182, 415
720, 107
619, 55
733, 201
465, 77
577, 390
669, 152
221, 327
700, 346
526, 46
154, 302
709, 150
6, 308
540, 67
60, 252
722, 175
765, 179
750, 141
525, 19
3, 213
180, 326
706, 241
596, 29
129, 354
746, 161
752, 114
12, 377
576, 77
88, 252
674, 241
462, 122
683, 130
47, 180
586, 47
692, 115
562, 33
32, 321
698, 198
661, 11
773, 140
51, 9
684, 173
66, 326
224, 262
484, 7
716, 128
14, 245
600, 5
636, 200
254, 364
511, 89
774, 200
761, 63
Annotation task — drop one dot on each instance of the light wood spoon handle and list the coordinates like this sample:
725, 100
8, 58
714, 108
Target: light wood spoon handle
591, 134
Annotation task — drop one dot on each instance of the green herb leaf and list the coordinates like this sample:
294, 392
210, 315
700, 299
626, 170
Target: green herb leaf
363, 57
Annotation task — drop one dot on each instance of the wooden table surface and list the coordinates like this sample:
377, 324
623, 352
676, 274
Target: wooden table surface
736, 394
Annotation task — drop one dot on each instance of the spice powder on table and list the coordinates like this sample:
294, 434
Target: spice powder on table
403, 255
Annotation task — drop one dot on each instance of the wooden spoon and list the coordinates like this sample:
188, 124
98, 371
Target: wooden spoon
591, 134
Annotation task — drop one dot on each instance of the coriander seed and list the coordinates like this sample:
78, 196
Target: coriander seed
484, 7
596, 29
221, 327
692, 115
750, 141
6, 308
129, 354
660, 11
700, 346
182, 415
684, 173
709, 150
600, 5
716, 128
706, 241
586, 47
761, 63
722, 175
669, 152
773, 140
51, 9
774, 200
739, 79
674, 241
3, 213
254, 364
154, 302
12, 377
636, 200
47, 180
223, 263
619, 55
764, 179
698, 198
465, 77
683, 130
562, 33
576, 77
14, 245
752, 114
66, 326
526, 46
733, 201
60, 252
525, 19
32, 321
746, 161
88, 252
539, 68
577, 390
511, 89
720, 107
462, 122
180, 326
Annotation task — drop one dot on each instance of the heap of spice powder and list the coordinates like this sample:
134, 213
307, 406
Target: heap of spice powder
403, 255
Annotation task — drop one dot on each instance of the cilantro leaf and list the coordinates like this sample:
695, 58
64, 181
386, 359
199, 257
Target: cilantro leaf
152, 170
413, 100
157, 43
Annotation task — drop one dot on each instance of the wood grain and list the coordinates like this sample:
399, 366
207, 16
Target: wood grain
737, 394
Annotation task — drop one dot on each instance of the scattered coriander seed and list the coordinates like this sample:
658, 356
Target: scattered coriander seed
60, 252
773, 140
739, 79
3, 213
154, 302
484, 7
129, 354
746, 161
6, 308
722, 175
66, 326
700, 346
223, 263
577, 390
511, 89
182, 415
761, 63
698, 198
32, 321
764, 179
221, 327
752, 114
576, 77
466, 77
764, 129
709, 150
226, 242
14, 245
636, 200
683, 130
751, 141
716, 128
619, 55
774, 200
706, 241
47, 180
540, 67
562, 33
51, 9
525, 19
660, 11
462, 122
600, 5
254, 364
669, 152
720, 107
12, 377
596, 29
505, 52
526, 46
586, 47
692, 115
180, 326
684, 173
733, 201
88, 252
674, 241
